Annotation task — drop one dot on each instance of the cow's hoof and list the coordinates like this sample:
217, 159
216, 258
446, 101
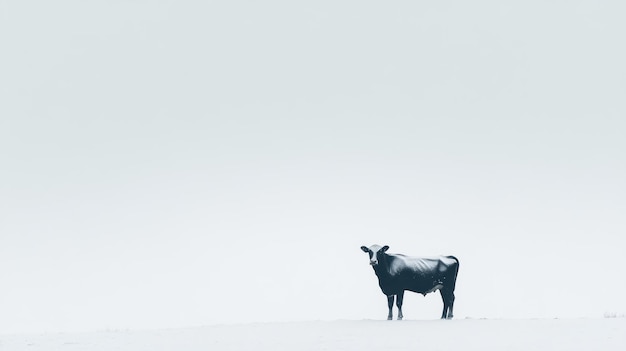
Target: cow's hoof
399, 318
389, 318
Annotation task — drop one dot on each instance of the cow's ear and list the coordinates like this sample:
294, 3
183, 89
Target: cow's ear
365, 249
384, 249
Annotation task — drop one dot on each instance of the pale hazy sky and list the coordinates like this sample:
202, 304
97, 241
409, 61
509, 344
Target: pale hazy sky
178, 163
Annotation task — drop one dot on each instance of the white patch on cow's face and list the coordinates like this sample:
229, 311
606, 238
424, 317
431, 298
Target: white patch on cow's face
373, 258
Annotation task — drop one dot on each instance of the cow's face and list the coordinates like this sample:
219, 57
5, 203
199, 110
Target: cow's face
375, 252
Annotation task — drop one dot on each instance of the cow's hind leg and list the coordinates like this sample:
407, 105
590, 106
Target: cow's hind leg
445, 305
450, 306
400, 298
448, 303
390, 304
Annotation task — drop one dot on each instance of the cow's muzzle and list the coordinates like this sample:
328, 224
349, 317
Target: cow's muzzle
373, 263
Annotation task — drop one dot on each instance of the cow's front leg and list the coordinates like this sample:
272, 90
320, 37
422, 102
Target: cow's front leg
399, 304
390, 304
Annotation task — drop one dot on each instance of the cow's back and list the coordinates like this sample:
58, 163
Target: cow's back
427, 265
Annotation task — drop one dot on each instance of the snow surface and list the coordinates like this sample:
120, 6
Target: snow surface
465, 334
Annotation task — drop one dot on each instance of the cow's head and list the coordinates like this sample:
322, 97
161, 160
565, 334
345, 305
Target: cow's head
375, 252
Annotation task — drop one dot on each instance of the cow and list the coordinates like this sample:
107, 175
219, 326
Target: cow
397, 273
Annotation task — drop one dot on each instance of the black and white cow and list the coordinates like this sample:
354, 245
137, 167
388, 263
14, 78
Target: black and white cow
397, 273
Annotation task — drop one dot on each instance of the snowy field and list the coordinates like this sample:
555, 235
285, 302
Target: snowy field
168, 164
464, 334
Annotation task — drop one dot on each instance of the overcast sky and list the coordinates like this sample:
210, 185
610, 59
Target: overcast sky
180, 163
